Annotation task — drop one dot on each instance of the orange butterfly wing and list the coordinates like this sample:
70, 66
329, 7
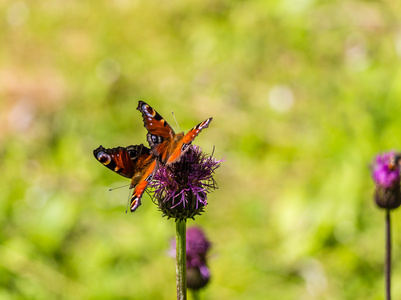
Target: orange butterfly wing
158, 129
182, 145
140, 181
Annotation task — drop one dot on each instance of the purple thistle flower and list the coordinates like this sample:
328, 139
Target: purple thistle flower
197, 246
385, 170
181, 188
386, 176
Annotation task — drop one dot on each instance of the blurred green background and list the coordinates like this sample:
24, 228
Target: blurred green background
303, 95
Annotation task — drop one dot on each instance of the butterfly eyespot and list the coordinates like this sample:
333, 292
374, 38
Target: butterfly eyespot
133, 153
149, 111
104, 158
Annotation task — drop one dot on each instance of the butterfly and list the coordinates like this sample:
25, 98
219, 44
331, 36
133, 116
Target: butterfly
135, 162
165, 144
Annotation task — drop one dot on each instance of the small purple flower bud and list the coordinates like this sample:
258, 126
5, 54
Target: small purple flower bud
197, 245
386, 176
181, 188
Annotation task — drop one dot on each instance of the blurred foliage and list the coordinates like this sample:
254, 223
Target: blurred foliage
303, 95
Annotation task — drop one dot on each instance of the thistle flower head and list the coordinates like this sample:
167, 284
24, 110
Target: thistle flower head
385, 171
386, 176
181, 188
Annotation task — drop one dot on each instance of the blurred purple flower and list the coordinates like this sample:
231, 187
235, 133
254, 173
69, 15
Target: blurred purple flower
385, 171
197, 246
386, 176
181, 188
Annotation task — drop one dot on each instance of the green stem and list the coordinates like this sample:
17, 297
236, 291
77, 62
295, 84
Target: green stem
387, 268
181, 262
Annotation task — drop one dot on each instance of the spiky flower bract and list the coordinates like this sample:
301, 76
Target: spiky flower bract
181, 188
386, 176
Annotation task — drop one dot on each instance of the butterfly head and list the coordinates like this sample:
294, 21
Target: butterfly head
178, 137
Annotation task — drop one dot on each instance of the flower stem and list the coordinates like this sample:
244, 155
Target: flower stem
387, 268
181, 263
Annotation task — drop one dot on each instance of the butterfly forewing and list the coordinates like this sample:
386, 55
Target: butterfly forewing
120, 159
158, 129
135, 162
181, 145
193, 133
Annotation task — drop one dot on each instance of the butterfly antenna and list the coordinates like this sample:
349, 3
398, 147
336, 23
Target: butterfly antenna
176, 121
129, 201
119, 187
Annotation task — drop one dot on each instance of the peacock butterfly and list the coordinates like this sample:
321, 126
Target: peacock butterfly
139, 162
